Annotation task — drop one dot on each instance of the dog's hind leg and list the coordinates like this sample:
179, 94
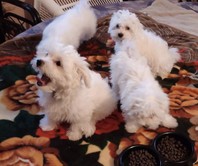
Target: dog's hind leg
169, 121
152, 122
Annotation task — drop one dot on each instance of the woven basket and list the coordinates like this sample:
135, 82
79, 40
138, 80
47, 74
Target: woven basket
52, 8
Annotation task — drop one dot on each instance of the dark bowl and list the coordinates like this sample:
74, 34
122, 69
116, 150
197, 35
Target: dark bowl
175, 149
140, 155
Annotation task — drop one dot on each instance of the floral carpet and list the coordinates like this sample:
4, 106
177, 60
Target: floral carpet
22, 141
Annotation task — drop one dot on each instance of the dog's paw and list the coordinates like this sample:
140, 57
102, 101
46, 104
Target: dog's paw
46, 126
89, 131
169, 122
74, 136
153, 126
131, 128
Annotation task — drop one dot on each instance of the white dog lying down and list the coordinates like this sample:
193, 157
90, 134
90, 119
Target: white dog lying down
70, 92
143, 101
74, 26
125, 25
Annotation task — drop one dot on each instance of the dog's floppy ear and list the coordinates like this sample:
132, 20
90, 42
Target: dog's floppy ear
137, 25
80, 65
114, 17
83, 72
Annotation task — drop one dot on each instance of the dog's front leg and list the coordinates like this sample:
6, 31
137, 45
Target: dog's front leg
88, 128
74, 133
47, 124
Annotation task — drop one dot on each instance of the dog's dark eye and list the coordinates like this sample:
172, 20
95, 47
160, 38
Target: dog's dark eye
58, 63
127, 28
117, 26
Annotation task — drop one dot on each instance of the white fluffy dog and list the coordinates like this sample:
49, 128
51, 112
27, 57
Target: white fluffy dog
143, 101
71, 28
70, 92
125, 25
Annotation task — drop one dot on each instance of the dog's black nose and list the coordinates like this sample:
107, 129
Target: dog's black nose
120, 35
39, 63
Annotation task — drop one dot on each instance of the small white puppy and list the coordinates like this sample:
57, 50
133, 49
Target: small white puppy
143, 101
71, 28
125, 25
70, 92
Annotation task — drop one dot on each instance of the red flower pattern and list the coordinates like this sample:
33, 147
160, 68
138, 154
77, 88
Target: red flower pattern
109, 124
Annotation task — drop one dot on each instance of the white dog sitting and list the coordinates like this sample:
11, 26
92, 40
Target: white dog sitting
70, 92
143, 101
71, 28
125, 25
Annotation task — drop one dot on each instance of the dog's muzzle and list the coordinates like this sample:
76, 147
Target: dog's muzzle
120, 35
43, 81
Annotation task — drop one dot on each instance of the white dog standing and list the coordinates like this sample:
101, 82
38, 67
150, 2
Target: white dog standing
143, 101
71, 28
70, 92
125, 25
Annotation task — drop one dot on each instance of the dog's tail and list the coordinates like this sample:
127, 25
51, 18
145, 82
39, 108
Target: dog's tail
83, 4
175, 54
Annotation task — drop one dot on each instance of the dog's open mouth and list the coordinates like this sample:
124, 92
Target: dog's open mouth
44, 80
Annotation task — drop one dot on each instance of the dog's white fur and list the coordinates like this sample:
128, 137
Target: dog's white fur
143, 101
125, 25
74, 94
71, 28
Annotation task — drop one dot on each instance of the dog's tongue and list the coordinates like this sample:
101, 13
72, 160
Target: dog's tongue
43, 80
